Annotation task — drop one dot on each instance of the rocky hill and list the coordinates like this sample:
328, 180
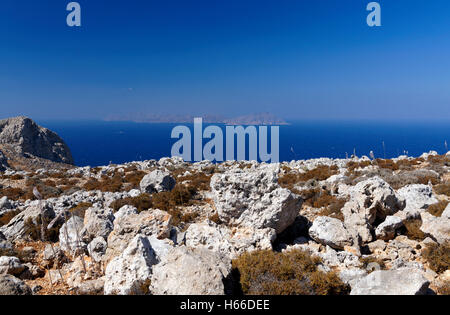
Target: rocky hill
321, 226
20, 137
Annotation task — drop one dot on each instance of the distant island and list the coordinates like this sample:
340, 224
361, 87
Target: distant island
250, 119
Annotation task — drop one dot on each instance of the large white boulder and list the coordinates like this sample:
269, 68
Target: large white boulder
370, 200
230, 243
253, 198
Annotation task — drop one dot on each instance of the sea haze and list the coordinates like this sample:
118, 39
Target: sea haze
99, 142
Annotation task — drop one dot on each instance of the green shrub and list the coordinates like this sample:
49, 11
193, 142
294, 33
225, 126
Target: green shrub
438, 208
288, 273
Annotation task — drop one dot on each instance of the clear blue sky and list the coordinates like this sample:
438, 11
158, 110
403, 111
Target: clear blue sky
300, 59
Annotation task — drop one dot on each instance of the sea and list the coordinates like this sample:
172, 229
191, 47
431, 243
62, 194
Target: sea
96, 143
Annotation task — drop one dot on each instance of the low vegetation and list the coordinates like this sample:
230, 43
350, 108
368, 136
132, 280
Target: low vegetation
289, 273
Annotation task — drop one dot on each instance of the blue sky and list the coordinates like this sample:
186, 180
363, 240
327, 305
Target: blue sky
303, 59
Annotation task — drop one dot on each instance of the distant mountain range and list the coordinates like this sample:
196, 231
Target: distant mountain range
251, 119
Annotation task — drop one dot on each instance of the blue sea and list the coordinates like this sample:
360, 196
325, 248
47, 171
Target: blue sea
100, 142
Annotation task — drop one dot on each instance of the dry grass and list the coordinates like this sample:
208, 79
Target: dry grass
290, 178
289, 273
437, 256
442, 189
370, 261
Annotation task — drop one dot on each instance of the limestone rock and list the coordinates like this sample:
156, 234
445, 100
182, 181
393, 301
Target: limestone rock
97, 248
10, 285
17, 227
130, 272
392, 282
190, 271
253, 198
125, 211
386, 230
330, 231
28, 138
98, 222
152, 222
417, 197
446, 213
157, 181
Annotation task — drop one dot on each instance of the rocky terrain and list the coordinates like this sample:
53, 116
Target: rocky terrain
322, 226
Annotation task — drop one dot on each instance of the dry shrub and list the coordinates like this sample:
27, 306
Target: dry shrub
437, 256
171, 201
289, 273
442, 189
215, 218
438, 208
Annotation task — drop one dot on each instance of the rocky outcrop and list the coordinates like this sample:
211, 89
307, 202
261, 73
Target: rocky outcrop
417, 197
130, 272
392, 282
10, 285
26, 137
70, 237
190, 271
330, 231
253, 198
157, 181
11, 265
